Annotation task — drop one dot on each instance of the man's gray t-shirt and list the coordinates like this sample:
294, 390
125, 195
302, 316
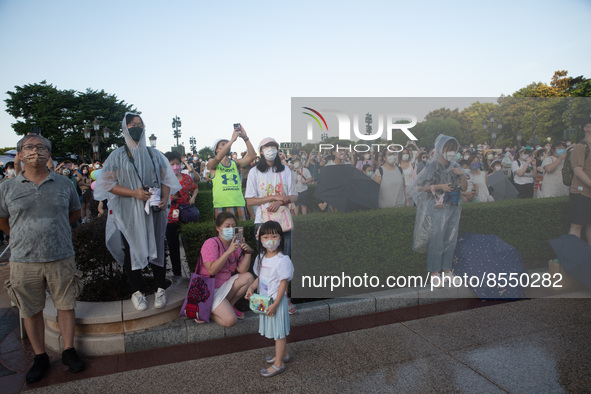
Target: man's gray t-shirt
39, 217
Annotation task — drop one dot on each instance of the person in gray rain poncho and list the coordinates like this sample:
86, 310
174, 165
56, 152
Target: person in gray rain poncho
137, 182
436, 191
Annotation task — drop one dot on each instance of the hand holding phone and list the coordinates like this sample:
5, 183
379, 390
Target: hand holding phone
238, 235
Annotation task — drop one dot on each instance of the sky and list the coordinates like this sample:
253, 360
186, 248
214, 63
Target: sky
218, 63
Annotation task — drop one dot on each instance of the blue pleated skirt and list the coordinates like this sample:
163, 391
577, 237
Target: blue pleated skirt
276, 327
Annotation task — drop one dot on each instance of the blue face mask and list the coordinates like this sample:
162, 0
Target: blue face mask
228, 233
560, 152
475, 165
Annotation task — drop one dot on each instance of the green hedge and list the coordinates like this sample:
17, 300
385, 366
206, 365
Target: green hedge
204, 201
380, 241
195, 234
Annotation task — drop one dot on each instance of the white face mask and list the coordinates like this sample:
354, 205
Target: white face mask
450, 156
270, 153
366, 157
296, 165
271, 245
390, 159
405, 157
11, 172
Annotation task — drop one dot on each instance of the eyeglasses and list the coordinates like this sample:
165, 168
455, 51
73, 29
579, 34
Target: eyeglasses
40, 148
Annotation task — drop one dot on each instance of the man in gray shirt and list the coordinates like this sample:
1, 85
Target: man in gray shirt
37, 208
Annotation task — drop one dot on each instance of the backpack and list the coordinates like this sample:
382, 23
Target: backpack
567, 169
381, 170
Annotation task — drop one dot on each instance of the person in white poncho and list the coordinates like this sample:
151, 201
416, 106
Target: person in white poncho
137, 181
436, 191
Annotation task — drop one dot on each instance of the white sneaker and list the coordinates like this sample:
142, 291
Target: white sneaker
139, 301
160, 298
436, 282
451, 277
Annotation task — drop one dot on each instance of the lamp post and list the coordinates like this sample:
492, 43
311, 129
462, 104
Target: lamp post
323, 136
493, 130
95, 139
368, 122
176, 124
193, 143
152, 139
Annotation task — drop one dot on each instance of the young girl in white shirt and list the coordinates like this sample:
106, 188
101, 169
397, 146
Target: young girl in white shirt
274, 270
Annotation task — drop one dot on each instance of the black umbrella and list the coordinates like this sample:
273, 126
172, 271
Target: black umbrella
575, 256
346, 188
502, 188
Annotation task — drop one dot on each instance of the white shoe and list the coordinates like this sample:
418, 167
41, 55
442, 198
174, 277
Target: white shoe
160, 298
139, 301
448, 278
436, 282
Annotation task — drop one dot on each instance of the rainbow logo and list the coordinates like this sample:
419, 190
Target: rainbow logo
315, 118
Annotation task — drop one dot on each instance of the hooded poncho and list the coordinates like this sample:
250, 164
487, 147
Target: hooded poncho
127, 215
434, 173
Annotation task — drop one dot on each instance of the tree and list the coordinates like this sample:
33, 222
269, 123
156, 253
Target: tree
538, 89
4, 150
206, 151
428, 130
62, 115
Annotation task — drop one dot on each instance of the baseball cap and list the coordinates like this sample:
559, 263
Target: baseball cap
215, 144
267, 141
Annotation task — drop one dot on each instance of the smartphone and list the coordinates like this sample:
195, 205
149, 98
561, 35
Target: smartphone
237, 127
238, 234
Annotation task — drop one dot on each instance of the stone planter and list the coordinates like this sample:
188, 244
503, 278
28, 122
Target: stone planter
101, 327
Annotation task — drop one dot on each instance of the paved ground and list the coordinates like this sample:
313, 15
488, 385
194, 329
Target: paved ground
539, 345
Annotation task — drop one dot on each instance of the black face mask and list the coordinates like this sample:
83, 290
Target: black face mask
135, 133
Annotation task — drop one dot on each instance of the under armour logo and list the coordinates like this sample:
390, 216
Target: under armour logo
234, 179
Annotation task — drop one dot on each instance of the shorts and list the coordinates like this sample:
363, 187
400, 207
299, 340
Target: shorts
28, 281
239, 212
580, 209
303, 198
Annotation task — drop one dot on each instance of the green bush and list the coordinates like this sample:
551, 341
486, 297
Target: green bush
104, 279
380, 241
195, 234
204, 202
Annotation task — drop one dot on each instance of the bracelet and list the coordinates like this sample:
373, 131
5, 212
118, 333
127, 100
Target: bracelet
248, 252
246, 139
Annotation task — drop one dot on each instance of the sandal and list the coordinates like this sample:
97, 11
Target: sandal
265, 372
239, 315
292, 308
271, 359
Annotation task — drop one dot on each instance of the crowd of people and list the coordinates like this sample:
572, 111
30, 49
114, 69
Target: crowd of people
142, 191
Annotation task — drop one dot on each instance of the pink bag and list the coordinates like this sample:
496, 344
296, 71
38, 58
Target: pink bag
199, 299
281, 216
